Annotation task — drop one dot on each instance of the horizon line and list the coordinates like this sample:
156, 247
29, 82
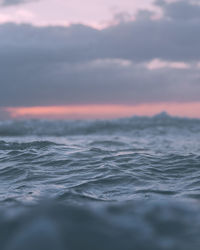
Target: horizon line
101, 111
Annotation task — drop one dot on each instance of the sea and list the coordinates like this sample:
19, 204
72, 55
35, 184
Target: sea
123, 184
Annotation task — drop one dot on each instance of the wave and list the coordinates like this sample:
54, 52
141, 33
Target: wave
81, 127
26, 145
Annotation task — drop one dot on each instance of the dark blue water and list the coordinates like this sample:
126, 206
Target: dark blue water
121, 184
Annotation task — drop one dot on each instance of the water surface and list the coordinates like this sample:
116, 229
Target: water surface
130, 183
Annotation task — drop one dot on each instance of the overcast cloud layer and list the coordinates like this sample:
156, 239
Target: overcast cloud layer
81, 65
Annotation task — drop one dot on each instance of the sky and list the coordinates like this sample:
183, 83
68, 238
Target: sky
100, 59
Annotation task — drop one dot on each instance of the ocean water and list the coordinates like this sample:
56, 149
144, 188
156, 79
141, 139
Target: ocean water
131, 183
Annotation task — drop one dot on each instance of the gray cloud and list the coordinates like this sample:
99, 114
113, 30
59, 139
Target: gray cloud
15, 2
96, 82
182, 9
141, 40
81, 65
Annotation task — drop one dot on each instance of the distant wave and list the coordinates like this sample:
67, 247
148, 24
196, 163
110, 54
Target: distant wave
25, 145
85, 127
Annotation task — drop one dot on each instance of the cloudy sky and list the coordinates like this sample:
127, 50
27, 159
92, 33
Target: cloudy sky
103, 58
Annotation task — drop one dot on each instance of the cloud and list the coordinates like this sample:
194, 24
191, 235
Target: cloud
140, 40
14, 2
180, 10
81, 65
96, 82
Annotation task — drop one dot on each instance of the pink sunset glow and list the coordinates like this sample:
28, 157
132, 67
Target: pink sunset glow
60, 12
105, 111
